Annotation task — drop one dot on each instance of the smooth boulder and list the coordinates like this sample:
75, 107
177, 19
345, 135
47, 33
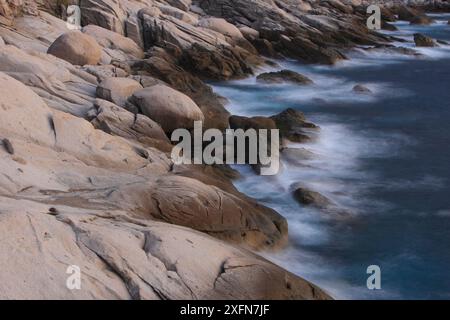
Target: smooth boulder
77, 48
170, 108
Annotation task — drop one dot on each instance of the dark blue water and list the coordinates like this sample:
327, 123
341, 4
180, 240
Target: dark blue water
385, 157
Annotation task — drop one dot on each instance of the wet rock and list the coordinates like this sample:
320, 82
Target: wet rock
407, 13
117, 90
257, 123
264, 47
394, 50
76, 48
293, 125
388, 26
423, 41
297, 156
284, 76
310, 52
421, 20
312, 198
361, 89
170, 108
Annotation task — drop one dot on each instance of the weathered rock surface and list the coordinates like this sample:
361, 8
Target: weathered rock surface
117, 121
117, 90
170, 108
117, 46
122, 258
59, 83
76, 48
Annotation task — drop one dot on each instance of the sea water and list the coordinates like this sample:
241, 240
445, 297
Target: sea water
384, 157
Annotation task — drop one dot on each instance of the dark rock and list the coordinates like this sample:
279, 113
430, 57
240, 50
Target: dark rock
264, 47
422, 20
257, 123
388, 26
312, 198
211, 64
408, 14
423, 41
293, 126
359, 88
310, 52
284, 76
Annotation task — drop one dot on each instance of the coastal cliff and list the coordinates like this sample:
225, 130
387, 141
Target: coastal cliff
86, 177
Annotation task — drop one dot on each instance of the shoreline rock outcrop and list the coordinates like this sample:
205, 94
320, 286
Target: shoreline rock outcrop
85, 118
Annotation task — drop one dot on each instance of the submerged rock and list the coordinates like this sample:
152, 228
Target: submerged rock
312, 198
284, 76
77, 48
423, 41
361, 89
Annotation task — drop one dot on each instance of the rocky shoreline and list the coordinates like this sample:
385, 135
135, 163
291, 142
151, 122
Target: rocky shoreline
85, 119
